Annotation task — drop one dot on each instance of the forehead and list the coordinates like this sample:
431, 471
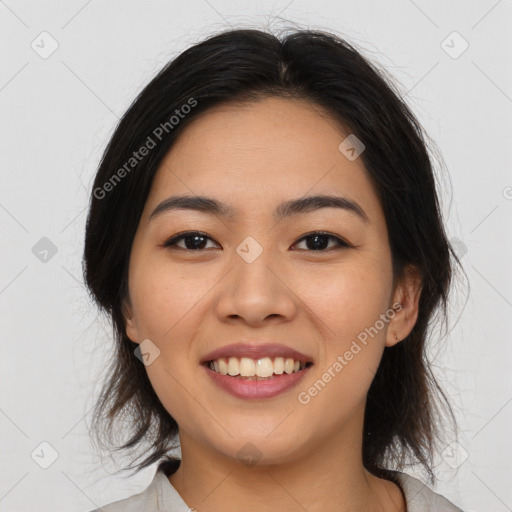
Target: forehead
254, 154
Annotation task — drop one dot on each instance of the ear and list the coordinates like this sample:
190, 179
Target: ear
131, 325
405, 303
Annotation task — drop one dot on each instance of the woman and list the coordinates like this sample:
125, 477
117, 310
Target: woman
266, 235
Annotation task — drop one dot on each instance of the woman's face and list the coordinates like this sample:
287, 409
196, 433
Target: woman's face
252, 277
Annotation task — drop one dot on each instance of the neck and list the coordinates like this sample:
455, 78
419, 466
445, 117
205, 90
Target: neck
328, 477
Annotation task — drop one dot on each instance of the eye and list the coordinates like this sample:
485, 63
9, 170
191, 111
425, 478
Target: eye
319, 241
196, 241
193, 240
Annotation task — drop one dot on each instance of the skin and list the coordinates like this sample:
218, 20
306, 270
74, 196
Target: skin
189, 303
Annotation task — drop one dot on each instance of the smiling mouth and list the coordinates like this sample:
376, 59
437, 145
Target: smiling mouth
265, 368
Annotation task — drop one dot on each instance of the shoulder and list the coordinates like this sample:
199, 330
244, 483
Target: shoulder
158, 496
420, 498
144, 501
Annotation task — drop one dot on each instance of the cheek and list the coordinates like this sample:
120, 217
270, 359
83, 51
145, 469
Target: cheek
348, 304
168, 305
346, 300
163, 297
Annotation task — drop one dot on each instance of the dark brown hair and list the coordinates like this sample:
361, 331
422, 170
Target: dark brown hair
403, 410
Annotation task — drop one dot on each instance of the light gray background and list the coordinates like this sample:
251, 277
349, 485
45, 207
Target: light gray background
57, 115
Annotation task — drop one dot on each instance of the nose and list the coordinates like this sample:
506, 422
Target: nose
256, 292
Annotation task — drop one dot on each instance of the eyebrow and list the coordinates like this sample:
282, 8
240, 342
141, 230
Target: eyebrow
287, 209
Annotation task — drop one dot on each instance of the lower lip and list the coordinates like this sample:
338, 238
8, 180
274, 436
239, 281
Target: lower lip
256, 388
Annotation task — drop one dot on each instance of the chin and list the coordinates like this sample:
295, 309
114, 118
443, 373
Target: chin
258, 448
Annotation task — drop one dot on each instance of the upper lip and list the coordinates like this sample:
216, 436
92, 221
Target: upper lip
256, 351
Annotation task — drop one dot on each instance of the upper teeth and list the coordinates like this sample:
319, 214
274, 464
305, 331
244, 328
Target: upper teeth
247, 367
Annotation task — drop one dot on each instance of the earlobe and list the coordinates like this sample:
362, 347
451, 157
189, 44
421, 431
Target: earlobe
406, 306
394, 336
131, 328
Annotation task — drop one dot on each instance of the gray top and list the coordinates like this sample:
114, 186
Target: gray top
161, 496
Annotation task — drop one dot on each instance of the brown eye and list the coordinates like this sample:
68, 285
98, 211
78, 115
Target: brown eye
319, 241
193, 241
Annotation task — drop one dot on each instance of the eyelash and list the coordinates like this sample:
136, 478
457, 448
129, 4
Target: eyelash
176, 238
